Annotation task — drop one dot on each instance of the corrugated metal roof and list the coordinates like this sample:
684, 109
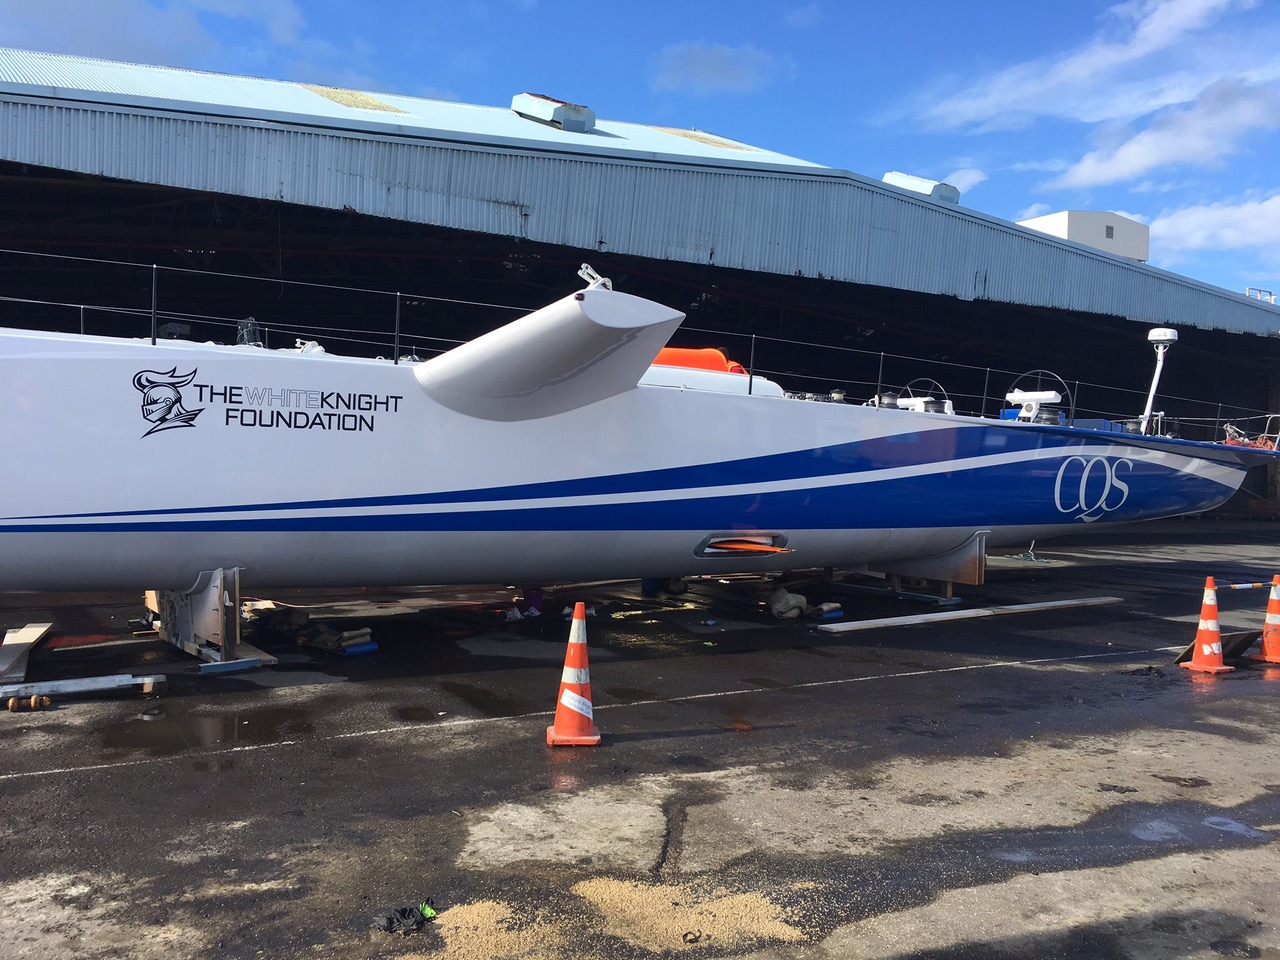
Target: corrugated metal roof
216, 94
681, 196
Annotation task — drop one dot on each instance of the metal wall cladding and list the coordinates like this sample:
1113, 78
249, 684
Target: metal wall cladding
823, 223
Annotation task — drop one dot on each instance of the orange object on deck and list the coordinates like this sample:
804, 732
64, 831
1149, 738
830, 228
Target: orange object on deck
698, 358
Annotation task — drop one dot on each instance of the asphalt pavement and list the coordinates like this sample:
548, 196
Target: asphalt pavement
1045, 783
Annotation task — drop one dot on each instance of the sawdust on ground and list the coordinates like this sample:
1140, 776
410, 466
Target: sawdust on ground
492, 930
659, 917
666, 916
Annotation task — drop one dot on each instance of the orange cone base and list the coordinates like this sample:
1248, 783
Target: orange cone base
1267, 656
1205, 668
554, 739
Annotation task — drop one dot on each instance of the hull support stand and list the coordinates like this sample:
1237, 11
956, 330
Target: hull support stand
966, 564
205, 621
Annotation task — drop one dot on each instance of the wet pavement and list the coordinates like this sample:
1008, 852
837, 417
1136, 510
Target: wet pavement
1043, 785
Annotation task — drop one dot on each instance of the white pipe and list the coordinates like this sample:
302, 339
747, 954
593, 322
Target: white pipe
1161, 349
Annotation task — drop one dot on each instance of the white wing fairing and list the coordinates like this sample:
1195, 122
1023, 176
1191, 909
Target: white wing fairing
587, 347
548, 450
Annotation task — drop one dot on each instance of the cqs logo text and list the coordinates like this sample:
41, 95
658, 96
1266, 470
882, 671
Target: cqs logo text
1090, 487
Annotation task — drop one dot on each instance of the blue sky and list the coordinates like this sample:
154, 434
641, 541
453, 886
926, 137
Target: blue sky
1167, 111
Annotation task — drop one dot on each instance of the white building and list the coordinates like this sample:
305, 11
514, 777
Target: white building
1097, 228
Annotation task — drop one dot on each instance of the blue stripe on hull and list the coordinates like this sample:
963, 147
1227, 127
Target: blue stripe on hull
919, 449
900, 450
1052, 491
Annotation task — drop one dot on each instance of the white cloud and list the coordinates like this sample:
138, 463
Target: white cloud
1039, 166
263, 37
176, 33
1160, 23
1201, 135
1139, 217
965, 178
1033, 211
1094, 82
1163, 186
703, 68
132, 30
283, 20
1242, 225
800, 18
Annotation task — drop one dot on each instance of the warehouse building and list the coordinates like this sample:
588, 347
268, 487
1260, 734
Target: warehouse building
422, 211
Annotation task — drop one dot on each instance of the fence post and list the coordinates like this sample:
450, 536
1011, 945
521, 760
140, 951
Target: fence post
395, 353
153, 304
751, 366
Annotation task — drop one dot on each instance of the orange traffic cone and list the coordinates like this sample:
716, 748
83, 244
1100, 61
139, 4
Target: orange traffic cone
573, 725
1271, 629
1206, 656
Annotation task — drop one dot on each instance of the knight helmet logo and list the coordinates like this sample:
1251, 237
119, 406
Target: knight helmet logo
162, 399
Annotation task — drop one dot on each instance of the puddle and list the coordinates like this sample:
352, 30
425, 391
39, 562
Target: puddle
701, 621
169, 729
1158, 830
493, 704
1227, 825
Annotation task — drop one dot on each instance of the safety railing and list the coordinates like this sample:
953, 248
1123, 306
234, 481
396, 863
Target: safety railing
178, 302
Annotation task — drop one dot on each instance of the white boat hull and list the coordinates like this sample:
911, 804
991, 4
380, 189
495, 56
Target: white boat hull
306, 469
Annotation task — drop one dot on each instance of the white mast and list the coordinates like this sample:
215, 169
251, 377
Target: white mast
1162, 338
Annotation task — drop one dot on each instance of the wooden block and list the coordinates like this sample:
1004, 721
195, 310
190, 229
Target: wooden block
17, 644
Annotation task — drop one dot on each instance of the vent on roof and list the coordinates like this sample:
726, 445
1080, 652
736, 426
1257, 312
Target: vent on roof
930, 188
573, 117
